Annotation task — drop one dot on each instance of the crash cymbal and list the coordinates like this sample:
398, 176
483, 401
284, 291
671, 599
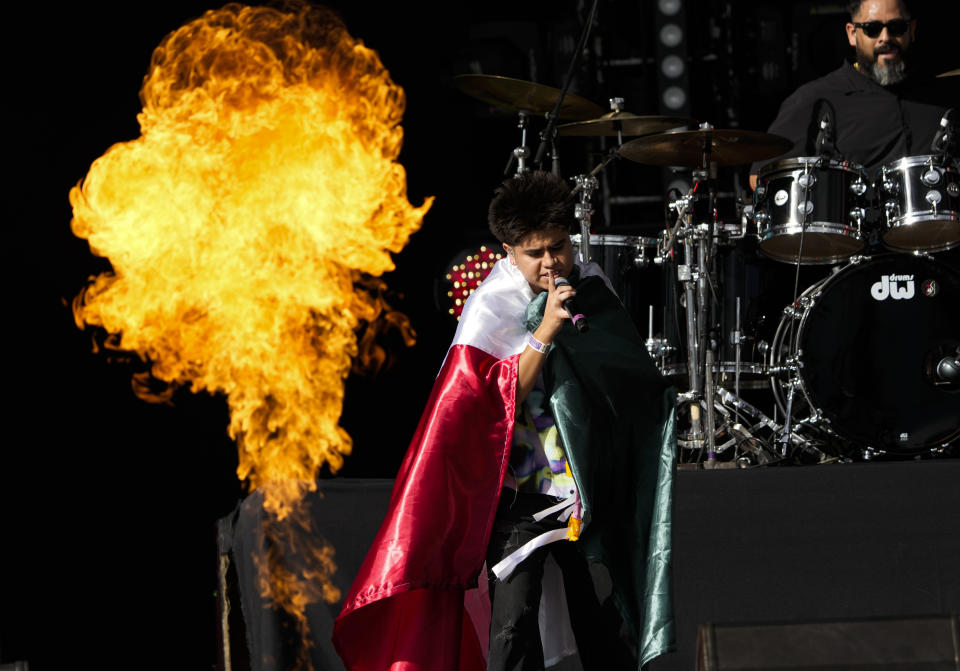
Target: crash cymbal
686, 148
630, 124
518, 95
950, 73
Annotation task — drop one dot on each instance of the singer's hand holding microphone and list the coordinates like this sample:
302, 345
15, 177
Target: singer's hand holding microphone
570, 305
561, 305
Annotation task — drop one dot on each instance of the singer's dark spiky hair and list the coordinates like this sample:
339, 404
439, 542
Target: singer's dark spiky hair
531, 201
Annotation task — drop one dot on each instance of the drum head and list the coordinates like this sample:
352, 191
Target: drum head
869, 347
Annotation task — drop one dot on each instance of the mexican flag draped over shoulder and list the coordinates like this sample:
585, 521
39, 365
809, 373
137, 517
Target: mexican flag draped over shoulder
406, 609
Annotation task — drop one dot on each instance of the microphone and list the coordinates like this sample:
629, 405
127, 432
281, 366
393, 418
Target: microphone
943, 138
825, 145
571, 307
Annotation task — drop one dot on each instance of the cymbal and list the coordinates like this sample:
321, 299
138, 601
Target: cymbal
523, 96
950, 73
630, 124
686, 148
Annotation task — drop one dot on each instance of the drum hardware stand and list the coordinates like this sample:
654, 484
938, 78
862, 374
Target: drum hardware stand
784, 439
741, 436
693, 273
520, 154
745, 212
583, 211
688, 273
711, 420
616, 106
737, 338
640, 260
657, 347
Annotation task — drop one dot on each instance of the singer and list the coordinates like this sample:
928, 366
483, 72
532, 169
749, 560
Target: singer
541, 450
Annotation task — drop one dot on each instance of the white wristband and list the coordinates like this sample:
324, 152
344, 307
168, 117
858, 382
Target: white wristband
536, 345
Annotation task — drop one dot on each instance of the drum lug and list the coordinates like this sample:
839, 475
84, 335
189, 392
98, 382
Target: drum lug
889, 186
803, 304
807, 180
641, 260
794, 312
857, 214
953, 189
890, 207
857, 187
931, 176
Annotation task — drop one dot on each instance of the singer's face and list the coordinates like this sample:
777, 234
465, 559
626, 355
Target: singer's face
541, 254
881, 56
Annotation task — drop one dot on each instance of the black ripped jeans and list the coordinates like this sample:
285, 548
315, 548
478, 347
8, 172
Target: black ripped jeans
515, 603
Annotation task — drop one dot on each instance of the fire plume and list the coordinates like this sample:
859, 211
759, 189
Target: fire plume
247, 225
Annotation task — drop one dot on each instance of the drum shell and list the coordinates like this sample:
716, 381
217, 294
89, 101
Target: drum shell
911, 221
628, 262
867, 349
836, 204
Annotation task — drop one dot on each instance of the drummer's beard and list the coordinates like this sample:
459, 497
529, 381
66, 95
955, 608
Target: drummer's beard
885, 75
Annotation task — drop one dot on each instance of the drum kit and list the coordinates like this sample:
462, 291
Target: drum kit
863, 363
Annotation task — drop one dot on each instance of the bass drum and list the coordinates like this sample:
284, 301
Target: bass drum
867, 346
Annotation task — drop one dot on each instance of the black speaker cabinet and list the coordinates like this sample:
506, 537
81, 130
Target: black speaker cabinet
921, 644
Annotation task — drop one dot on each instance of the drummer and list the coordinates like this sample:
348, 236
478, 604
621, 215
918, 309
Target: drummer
884, 110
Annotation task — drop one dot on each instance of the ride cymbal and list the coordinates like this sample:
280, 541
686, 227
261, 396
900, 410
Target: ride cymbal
629, 124
518, 95
720, 146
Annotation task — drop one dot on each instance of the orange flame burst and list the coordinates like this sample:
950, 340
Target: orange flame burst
243, 227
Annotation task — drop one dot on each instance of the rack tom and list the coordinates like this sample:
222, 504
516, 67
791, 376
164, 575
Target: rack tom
920, 198
811, 210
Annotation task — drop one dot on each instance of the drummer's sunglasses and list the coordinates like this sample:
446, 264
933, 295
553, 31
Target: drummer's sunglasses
895, 27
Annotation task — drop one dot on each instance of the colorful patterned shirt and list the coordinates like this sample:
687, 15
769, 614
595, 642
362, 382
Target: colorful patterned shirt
538, 463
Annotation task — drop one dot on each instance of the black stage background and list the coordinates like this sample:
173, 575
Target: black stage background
109, 504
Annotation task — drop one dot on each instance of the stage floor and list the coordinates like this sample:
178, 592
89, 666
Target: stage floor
834, 542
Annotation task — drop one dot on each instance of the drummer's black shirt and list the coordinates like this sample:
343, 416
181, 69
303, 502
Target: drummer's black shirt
874, 125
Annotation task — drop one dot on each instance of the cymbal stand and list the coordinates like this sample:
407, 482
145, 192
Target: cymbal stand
520, 154
616, 106
704, 256
690, 274
583, 211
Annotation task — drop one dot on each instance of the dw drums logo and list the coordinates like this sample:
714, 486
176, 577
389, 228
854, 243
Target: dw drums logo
892, 286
